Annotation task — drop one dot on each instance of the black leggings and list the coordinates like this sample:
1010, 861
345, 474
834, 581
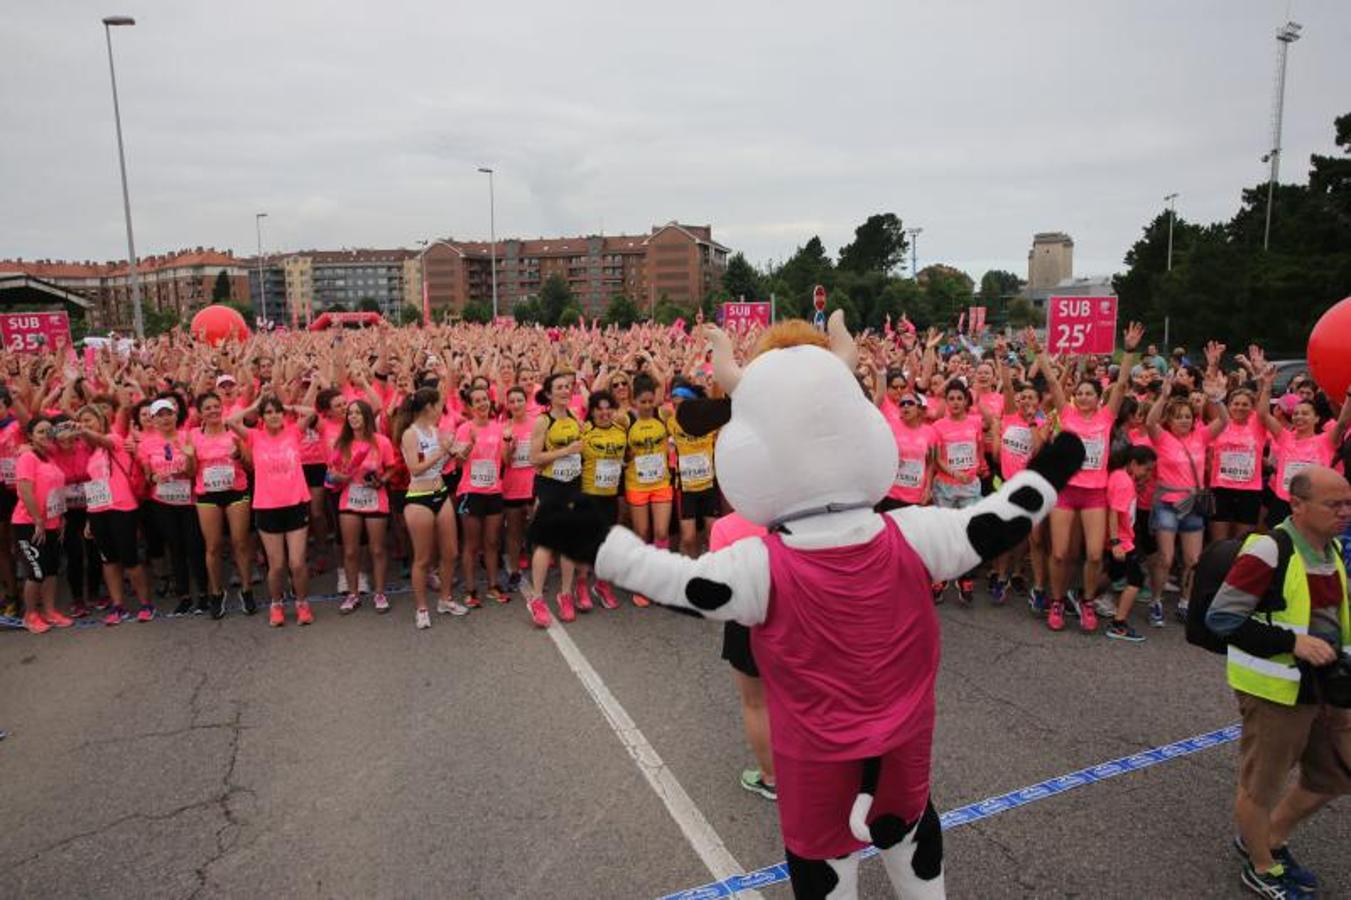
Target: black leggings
84, 570
182, 536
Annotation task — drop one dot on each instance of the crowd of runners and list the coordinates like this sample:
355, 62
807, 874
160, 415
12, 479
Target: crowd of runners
164, 478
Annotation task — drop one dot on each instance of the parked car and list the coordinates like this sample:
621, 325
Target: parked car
1286, 371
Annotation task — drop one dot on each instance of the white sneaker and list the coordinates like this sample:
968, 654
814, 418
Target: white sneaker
423, 619
363, 583
342, 582
1105, 606
450, 606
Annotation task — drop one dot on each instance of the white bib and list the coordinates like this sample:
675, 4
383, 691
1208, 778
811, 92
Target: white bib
56, 504
362, 498
568, 468
520, 455
696, 468
1092, 453
1238, 465
1018, 440
218, 478
910, 473
649, 467
175, 493
607, 473
1292, 468
483, 473
7, 470
75, 496
98, 494
962, 456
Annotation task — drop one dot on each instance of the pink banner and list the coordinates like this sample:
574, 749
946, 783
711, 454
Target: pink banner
742, 315
1081, 324
32, 332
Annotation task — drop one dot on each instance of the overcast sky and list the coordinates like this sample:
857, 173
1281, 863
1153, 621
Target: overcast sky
361, 123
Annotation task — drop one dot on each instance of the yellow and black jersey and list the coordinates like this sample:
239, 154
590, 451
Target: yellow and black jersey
647, 469
694, 457
602, 459
561, 433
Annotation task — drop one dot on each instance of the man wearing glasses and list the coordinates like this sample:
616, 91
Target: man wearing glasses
1274, 660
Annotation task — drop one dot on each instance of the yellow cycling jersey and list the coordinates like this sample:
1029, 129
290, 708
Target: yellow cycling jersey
694, 457
602, 459
647, 469
561, 433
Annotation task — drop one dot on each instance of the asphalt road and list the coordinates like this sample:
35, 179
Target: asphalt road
360, 758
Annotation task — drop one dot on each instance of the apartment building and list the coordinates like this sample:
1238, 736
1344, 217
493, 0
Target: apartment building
305, 283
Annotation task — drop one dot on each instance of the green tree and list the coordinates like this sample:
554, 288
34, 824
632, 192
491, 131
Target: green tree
792, 283
879, 245
668, 311
157, 321
221, 289
480, 311
621, 311
1021, 313
368, 304
527, 312
997, 287
408, 314
741, 280
338, 306
554, 297
947, 294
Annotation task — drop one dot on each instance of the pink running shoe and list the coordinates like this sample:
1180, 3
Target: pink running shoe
35, 623
584, 603
566, 611
350, 603
57, 620
381, 603
146, 614
1088, 617
539, 612
1055, 619
607, 595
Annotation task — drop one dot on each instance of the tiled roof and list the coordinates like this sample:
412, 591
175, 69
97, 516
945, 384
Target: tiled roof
60, 268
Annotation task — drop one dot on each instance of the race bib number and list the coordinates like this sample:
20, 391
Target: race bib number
310, 436
568, 468
483, 473
56, 504
1093, 447
7, 470
910, 473
1238, 465
175, 493
607, 473
98, 494
696, 468
520, 455
649, 467
1018, 441
1292, 468
75, 496
362, 498
218, 478
961, 456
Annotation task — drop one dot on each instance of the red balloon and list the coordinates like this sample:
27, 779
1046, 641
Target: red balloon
1330, 350
217, 323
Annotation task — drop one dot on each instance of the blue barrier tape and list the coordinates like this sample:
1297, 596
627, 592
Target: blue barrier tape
993, 806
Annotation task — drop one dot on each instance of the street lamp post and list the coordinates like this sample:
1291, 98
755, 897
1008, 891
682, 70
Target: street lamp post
914, 250
262, 275
1286, 35
1169, 199
138, 318
492, 232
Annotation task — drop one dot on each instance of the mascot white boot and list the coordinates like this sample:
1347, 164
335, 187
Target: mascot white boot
837, 597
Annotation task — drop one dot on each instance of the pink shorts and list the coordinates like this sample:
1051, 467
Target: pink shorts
815, 797
1074, 497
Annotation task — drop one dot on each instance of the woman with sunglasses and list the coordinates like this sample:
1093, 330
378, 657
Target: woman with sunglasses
221, 489
915, 443
281, 498
170, 462
37, 520
483, 447
362, 463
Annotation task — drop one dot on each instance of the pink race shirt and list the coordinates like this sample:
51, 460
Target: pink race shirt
1122, 501
168, 465
483, 469
316, 444
1180, 461
912, 460
11, 438
278, 477
1294, 455
518, 478
49, 484
1095, 431
1017, 437
218, 463
959, 445
109, 485
75, 463
1237, 456
365, 463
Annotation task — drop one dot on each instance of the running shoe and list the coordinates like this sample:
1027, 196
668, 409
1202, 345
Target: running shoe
566, 611
1122, 631
938, 588
35, 623
607, 595
57, 620
146, 613
218, 605
78, 610
304, 615
248, 602
1182, 611
184, 607
641, 602
115, 616
363, 583
1088, 617
513, 582
341, 587
381, 603
1172, 587
966, 591
202, 607
422, 619
471, 601
496, 595
998, 591
539, 612
1297, 873
1105, 606
103, 604
1018, 584
753, 780
584, 603
1055, 619
349, 604
448, 606
1036, 601
276, 615
1275, 884
1156, 613
1072, 605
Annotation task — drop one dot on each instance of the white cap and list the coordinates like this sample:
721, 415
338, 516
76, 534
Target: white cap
164, 404
227, 378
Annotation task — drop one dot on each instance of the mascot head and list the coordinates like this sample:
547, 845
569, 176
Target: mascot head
800, 436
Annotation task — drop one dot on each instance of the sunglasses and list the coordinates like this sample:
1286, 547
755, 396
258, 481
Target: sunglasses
909, 401
619, 384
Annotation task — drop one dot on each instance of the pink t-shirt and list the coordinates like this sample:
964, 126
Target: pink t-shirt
1139, 437
168, 465
316, 444
518, 477
959, 445
11, 439
278, 476
1017, 437
992, 402
912, 460
358, 495
1294, 455
731, 528
109, 487
49, 484
1095, 431
1175, 469
1123, 499
218, 462
1237, 456
74, 462
483, 469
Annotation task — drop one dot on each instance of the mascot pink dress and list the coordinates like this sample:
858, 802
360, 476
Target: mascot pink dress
837, 598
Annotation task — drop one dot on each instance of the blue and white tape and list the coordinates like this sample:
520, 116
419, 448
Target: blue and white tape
993, 806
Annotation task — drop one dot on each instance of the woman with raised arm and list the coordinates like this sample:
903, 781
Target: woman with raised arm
1301, 446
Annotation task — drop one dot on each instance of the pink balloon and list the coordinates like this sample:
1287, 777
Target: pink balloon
218, 323
1329, 350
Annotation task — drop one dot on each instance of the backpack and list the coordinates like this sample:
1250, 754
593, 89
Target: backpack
1211, 570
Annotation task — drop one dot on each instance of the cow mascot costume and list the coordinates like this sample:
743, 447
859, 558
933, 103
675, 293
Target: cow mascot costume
837, 596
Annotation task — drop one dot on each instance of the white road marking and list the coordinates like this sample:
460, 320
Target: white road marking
697, 830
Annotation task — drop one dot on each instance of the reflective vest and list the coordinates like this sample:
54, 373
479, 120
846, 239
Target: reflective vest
1277, 678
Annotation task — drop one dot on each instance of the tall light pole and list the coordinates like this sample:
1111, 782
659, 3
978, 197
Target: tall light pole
1169, 198
492, 232
262, 276
138, 318
1286, 35
914, 250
